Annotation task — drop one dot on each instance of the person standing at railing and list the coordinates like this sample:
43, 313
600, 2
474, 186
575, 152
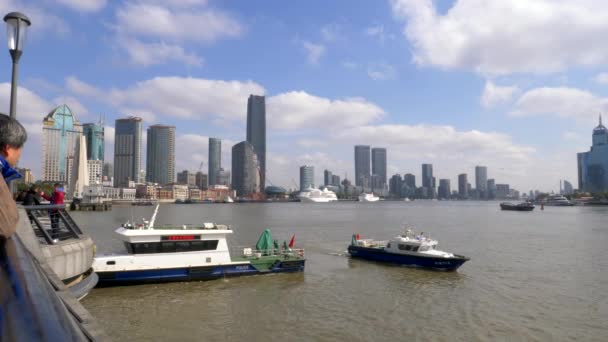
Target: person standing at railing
32, 197
12, 139
56, 198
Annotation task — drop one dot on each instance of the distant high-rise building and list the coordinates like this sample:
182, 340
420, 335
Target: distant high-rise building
428, 181
567, 188
593, 165
186, 178
444, 190
160, 161
502, 191
491, 189
60, 135
215, 160
256, 133
127, 151
335, 180
108, 171
481, 180
200, 180
246, 172
395, 184
379, 167
94, 133
362, 166
307, 177
409, 180
223, 177
462, 186
327, 178
95, 168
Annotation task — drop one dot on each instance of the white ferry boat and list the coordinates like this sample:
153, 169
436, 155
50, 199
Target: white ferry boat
409, 249
312, 195
557, 201
364, 197
170, 253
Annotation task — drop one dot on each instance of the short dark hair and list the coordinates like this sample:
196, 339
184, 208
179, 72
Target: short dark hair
12, 132
56, 185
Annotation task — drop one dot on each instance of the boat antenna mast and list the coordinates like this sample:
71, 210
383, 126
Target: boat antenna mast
151, 223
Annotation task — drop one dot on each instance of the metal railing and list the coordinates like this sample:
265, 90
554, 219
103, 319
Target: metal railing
35, 306
249, 252
52, 223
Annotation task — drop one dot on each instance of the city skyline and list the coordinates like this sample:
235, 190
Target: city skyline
391, 89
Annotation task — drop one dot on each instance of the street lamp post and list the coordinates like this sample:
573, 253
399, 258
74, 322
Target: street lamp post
16, 28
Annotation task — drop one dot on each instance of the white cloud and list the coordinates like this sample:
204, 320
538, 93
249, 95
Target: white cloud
44, 21
78, 87
178, 24
146, 54
601, 78
30, 106
314, 51
331, 32
298, 109
495, 95
78, 109
503, 37
560, 101
84, 5
310, 143
187, 97
381, 72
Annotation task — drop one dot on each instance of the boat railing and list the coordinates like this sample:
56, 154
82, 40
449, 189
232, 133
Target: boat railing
52, 223
256, 253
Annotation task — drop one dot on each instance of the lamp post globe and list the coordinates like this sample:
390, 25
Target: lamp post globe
16, 29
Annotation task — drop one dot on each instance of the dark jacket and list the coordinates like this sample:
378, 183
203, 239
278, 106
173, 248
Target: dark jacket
31, 198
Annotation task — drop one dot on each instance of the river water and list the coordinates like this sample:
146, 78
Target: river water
540, 275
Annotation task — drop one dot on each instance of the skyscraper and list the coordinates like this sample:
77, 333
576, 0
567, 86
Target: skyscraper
491, 189
60, 135
256, 133
335, 180
127, 151
395, 184
462, 185
409, 180
379, 167
187, 178
94, 133
481, 180
245, 169
215, 160
327, 178
160, 160
307, 177
362, 169
444, 190
568, 189
593, 165
428, 183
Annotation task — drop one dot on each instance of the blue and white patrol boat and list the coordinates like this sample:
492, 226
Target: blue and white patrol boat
182, 253
409, 249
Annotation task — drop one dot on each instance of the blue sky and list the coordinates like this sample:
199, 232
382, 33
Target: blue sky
510, 85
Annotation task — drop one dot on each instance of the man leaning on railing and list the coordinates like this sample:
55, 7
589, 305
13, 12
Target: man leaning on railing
12, 139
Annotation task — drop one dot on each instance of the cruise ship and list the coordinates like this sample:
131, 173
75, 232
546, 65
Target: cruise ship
312, 195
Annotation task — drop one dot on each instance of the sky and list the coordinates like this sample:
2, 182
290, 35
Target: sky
515, 86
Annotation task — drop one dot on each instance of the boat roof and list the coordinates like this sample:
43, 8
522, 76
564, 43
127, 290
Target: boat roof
174, 230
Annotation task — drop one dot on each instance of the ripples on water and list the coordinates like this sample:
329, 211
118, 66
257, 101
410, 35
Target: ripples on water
533, 276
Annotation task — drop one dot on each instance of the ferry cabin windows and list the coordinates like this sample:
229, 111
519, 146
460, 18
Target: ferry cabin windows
171, 246
404, 247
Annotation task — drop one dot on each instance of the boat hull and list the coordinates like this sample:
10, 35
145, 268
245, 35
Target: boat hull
379, 255
127, 277
516, 207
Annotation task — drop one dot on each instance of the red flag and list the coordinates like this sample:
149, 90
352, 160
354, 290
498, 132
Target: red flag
292, 241
358, 237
